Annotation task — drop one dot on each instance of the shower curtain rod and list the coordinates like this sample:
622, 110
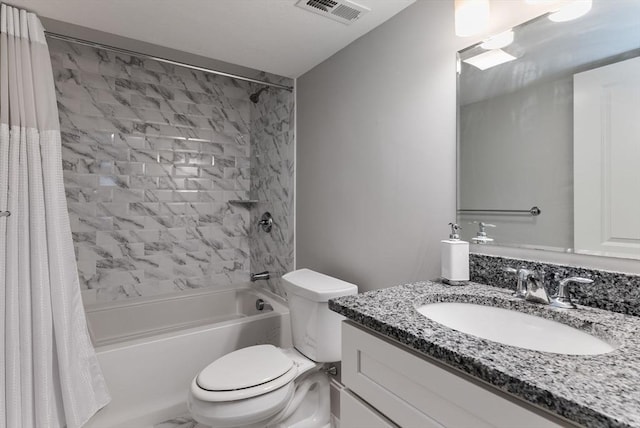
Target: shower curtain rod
160, 59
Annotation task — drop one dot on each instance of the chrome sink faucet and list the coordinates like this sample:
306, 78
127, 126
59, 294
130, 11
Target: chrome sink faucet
530, 286
536, 291
522, 275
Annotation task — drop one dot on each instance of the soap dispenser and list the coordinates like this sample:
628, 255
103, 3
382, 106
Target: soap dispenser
454, 261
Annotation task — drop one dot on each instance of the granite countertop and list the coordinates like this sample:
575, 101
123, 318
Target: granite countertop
591, 390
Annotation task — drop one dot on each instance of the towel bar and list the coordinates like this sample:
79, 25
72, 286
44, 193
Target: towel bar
533, 211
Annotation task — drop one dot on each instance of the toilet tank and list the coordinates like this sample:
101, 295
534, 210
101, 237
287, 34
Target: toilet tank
316, 329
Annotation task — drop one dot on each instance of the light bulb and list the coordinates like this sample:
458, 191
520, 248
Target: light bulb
472, 17
572, 10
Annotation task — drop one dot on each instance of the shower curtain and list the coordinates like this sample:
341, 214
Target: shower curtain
49, 373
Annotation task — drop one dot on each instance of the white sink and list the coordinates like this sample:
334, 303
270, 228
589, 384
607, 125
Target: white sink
515, 328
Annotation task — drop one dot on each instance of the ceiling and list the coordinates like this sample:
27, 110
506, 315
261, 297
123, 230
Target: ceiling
268, 35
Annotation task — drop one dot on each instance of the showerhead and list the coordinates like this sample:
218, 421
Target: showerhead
255, 97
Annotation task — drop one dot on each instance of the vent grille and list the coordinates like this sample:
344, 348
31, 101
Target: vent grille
323, 5
344, 11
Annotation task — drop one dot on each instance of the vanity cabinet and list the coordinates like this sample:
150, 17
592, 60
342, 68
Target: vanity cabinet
356, 413
388, 385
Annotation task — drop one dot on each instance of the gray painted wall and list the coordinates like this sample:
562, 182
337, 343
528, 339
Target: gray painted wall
376, 152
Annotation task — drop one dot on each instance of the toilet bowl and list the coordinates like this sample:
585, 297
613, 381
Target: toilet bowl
261, 386
265, 386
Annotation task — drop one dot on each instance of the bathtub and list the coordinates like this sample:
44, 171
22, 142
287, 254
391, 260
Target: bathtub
151, 348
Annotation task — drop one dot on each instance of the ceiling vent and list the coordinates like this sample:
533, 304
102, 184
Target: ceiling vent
343, 11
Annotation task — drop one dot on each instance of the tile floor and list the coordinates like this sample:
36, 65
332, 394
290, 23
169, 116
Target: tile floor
184, 421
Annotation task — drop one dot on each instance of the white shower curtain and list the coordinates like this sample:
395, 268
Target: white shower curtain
49, 373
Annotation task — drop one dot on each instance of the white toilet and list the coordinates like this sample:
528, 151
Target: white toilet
264, 386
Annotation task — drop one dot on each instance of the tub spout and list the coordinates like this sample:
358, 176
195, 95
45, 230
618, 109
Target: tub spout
258, 276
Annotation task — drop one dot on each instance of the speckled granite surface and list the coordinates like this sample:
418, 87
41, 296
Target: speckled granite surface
612, 291
594, 390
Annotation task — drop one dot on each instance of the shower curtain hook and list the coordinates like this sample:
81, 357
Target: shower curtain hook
5, 213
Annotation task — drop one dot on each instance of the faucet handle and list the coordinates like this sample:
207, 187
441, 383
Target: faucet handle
576, 279
482, 225
522, 275
563, 298
528, 273
481, 236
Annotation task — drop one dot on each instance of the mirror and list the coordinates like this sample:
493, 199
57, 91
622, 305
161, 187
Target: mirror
549, 142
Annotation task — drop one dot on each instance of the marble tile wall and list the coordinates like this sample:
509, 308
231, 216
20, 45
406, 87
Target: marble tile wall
272, 184
152, 155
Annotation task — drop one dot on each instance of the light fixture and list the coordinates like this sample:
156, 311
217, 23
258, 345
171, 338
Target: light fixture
572, 10
472, 17
498, 41
489, 59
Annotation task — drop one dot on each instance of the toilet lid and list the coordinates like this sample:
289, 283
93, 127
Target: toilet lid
245, 368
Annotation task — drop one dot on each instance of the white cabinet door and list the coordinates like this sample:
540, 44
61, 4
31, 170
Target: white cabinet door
355, 413
607, 159
413, 392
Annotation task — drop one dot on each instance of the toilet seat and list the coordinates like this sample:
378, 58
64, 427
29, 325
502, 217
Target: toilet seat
244, 373
251, 406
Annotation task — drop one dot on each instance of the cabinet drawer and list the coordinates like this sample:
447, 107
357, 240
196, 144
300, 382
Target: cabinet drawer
355, 413
413, 392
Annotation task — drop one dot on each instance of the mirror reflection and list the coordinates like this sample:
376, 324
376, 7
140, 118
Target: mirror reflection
549, 134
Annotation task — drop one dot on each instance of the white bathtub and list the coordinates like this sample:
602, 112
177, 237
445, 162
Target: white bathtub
150, 349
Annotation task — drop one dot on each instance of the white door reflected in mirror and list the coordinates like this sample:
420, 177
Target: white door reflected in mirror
606, 152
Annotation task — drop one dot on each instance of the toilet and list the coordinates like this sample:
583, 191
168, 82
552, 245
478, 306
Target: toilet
265, 386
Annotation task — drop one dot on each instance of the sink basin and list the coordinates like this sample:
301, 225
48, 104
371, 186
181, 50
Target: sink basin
515, 328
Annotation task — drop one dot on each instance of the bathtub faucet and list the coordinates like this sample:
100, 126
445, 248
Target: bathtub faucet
257, 276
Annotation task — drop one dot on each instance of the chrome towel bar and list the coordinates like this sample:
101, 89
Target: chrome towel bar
533, 211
